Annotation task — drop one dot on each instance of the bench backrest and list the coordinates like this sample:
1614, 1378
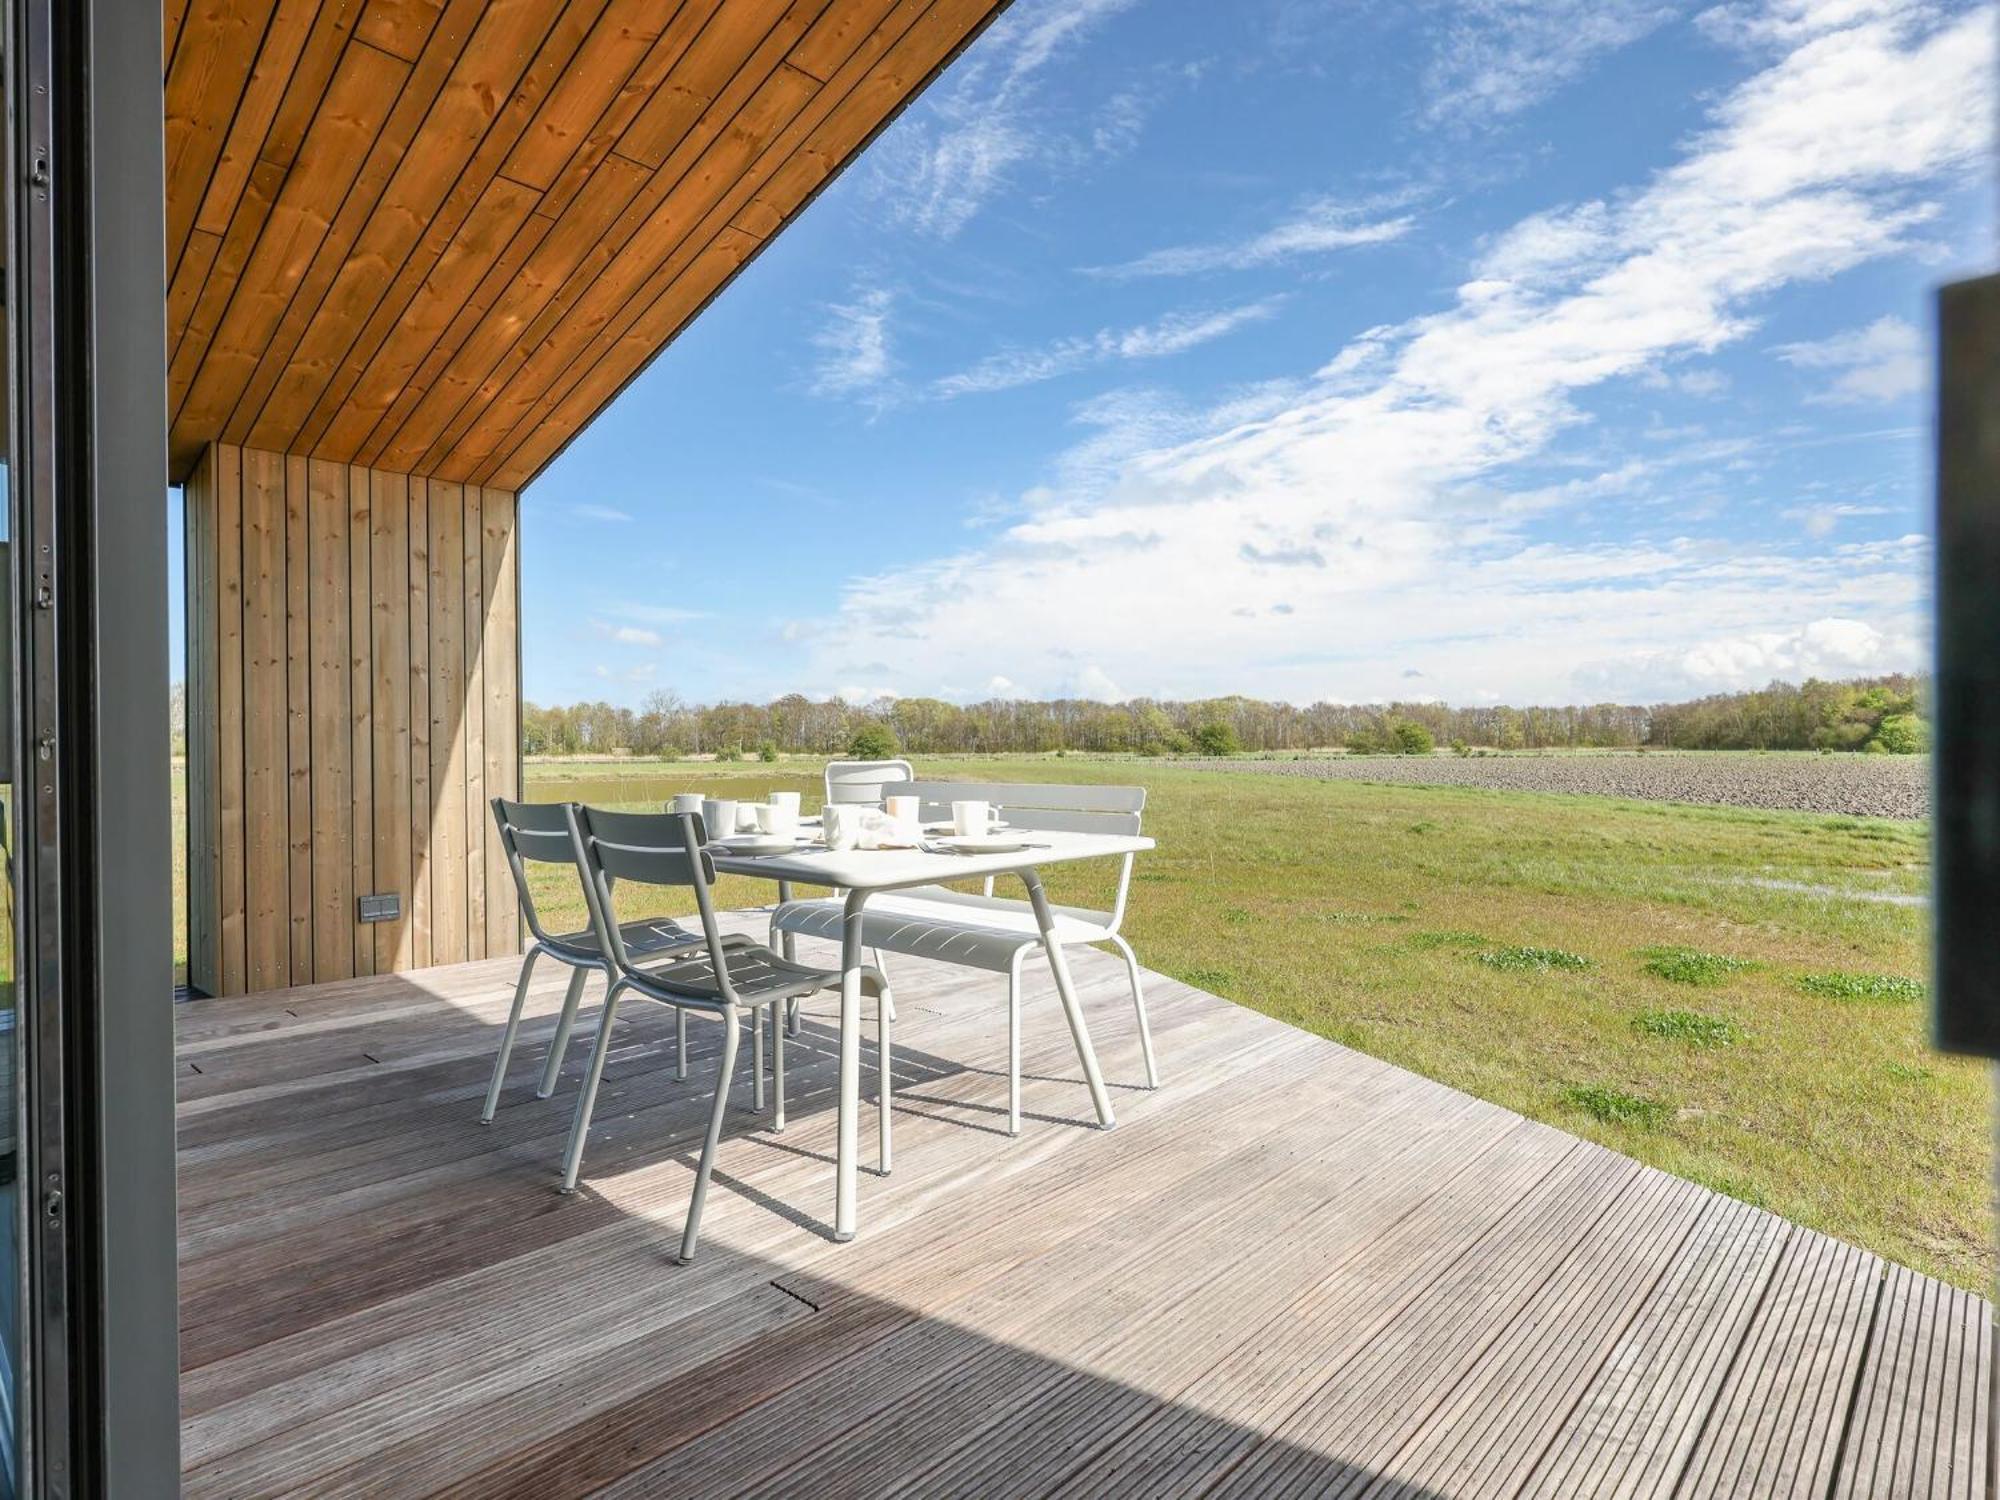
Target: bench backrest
1048, 807
863, 780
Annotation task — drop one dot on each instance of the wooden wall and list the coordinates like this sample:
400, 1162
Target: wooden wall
353, 701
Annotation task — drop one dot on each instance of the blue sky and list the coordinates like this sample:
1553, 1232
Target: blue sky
1515, 350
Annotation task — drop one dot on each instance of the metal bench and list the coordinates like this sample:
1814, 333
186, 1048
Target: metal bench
985, 931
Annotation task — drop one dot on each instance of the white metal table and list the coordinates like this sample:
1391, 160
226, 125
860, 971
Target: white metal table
865, 872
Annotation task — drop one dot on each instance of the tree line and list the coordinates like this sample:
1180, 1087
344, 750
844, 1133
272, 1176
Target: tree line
1875, 713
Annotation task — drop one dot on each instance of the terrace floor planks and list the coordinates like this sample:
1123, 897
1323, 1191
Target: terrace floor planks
1293, 1269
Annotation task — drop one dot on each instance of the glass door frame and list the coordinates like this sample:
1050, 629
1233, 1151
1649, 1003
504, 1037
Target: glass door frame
98, 1399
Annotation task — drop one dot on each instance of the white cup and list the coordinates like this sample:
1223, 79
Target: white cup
775, 819
688, 802
905, 812
969, 819
840, 824
718, 814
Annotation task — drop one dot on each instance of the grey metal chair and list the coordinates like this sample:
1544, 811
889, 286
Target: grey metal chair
862, 780
538, 833
734, 983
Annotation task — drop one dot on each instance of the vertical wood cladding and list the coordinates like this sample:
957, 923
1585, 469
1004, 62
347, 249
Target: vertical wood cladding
353, 657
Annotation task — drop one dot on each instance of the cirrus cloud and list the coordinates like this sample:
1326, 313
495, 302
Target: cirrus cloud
1825, 159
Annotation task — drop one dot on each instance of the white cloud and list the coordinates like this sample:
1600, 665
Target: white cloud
1882, 362
1322, 226
1834, 646
1173, 334
629, 635
587, 512
1499, 57
1822, 520
1164, 522
1094, 683
937, 170
854, 345
859, 696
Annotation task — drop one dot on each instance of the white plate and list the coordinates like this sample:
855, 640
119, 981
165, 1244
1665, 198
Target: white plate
755, 843
948, 826
981, 843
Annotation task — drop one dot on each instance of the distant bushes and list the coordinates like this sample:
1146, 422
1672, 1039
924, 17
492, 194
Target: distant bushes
1218, 738
1883, 715
872, 742
1393, 736
1879, 714
1901, 734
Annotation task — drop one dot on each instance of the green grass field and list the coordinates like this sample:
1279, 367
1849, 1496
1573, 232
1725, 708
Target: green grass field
1634, 972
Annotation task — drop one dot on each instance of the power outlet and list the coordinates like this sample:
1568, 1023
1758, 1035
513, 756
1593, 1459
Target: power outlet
386, 906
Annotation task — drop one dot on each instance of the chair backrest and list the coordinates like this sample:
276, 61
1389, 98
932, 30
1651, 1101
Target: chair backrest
537, 831
1047, 807
663, 848
863, 780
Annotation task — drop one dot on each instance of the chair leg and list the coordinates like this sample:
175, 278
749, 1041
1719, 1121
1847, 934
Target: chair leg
586, 1101
507, 1037
680, 1044
885, 1072
692, 1232
882, 968
777, 1065
1014, 1043
790, 952
572, 998
757, 1060
1139, 1005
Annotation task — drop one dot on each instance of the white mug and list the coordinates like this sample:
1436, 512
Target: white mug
904, 812
718, 814
840, 824
687, 802
776, 819
969, 819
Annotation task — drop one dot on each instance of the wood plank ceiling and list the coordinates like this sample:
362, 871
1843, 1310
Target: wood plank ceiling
438, 236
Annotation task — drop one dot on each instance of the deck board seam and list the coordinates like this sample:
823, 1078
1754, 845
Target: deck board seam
1854, 1388
1728, 1373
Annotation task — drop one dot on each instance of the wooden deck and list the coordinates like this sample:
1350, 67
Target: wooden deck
1293, 1270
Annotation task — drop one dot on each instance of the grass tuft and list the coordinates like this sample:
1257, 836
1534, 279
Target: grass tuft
1908, 1072
1867, 989
1215, 981
1732, 1187
1539, 960
1430, 942
1692, 966
1611, 1106
1689, 1026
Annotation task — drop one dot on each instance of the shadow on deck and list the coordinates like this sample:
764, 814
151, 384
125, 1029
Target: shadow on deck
1292, 1270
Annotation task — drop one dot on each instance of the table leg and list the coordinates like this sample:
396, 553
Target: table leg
1072, 1011
847, 1135
788, 944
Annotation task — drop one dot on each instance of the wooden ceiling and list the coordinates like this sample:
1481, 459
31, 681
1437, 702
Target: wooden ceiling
438, 236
